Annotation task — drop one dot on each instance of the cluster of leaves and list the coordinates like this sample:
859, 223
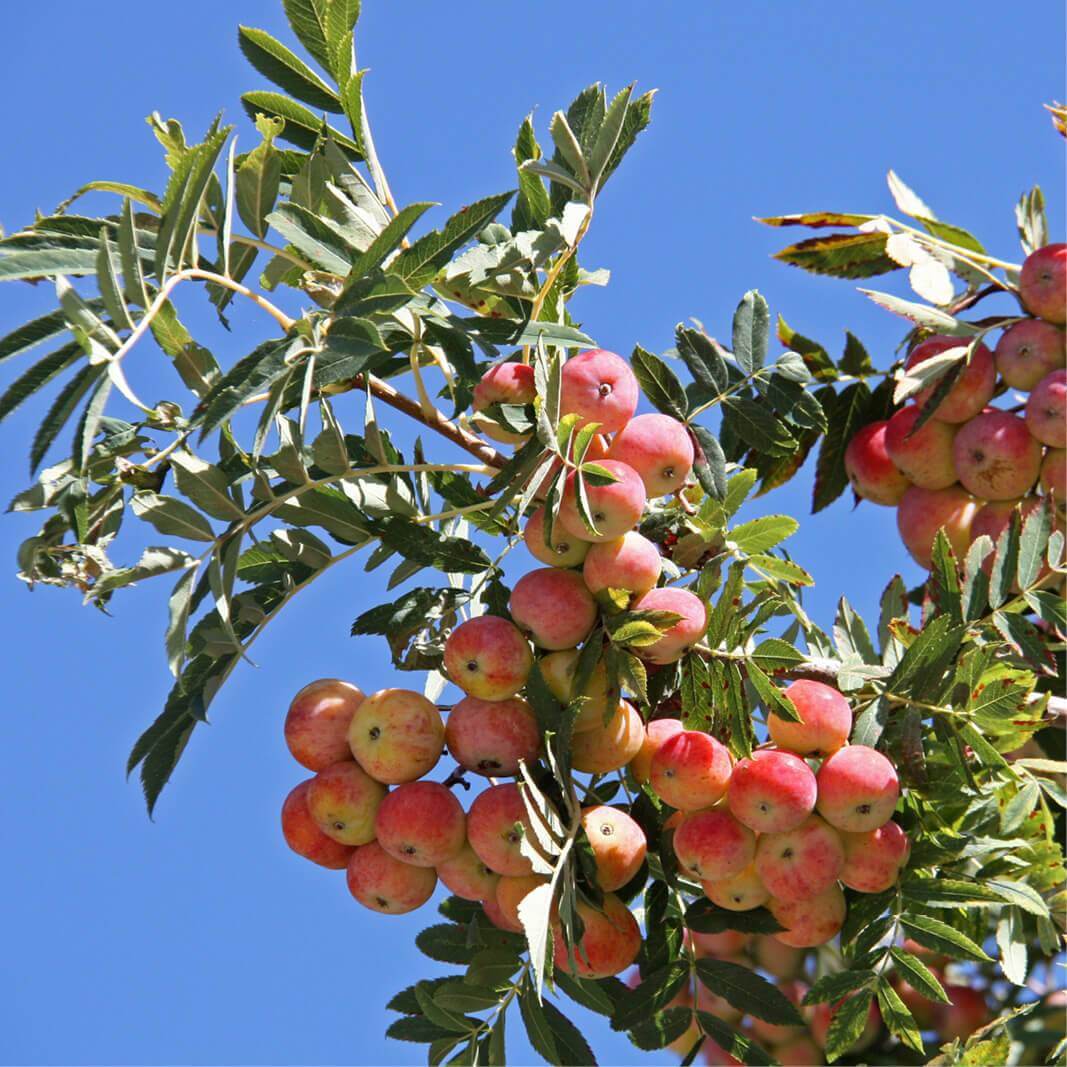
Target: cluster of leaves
263, 506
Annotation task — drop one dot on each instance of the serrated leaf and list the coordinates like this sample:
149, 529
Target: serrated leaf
431, 548
757, 427
710, 463
171, 516
61, 410
897, 1018
318, 241
845, 418
651, 995
283, 67
205, 485
659, 384
919, 976
847, 1023
841, 255
941, 937
1012, 942
38, 376
747, 991
178, 608
763, 533
302, 127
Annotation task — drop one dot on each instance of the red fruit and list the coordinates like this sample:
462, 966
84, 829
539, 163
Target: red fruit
686, 632
488, 658
496, 824
691, 770
613, 508
609, 944
870, 470
801, 863
924, 457
344, 800
618, 845
491, 737
316, 725
563, 550
810, 922
923, 511
873, 859
421, 823
656, 733
1043, 283
825, 720
714, 845
598, 386
858, 789
1046, 410
971, 391
384, 884
506, 383
659, 448
966, 1013
303, 835
996, 456
554, 607
772, 792
1027, 352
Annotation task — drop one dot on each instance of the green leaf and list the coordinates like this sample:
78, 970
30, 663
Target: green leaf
89, 425
832, 987
38, 376
751, 331
924, 315
847, 1023
329, 508
178, 608
709, 463
659, 384
773, 699
276, 62
254, 373
110, 286
940, 937
302, 127
763, 533
733, 1042
427, 546
196, 366
950, 893
571, 1047
171, 516
757, 427
205, 485
919, 976
61, 410
37, 330
841, 255
704, 358
1020, 894
388, 240
1012, 942
153, 561
46, 262
310, 234
1032, 543
417, 1029
310, 22
651, 995
774, 654
258, 179
897, 1018
608, 135
747, 991
452, 943
844, 419
133, 283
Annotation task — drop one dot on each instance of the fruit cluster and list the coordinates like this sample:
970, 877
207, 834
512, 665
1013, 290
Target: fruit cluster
968, 466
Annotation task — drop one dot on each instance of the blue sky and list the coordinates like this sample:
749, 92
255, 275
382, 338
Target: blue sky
199, 938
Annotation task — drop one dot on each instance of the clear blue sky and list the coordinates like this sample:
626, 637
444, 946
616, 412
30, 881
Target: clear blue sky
200, 939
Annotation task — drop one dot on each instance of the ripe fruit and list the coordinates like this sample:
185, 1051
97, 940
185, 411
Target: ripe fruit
825, 720
488, 658
421, 823
971, 391
1027, 352
613, 508
656, 733
713, 844
498, 918
659, 449
496, 823
873, 859
965, 1014
810, 922
925, 458
741, 892
506, 383
1043, 283
563, 550
303, 835
800, 863
609, 944
858, 789
777, 1033
722, 946
396, 735
778, 960
490, 737
1046, 410
798, 1052
691, 770
997, 458
316, 725
618, 845
609, 746
598, 386
511, 892
554, 607
679, 638
1054, 473
558, 670
923, 511
870, 470
992, 519
382, 883
771, 792
631, 563
466, 876
343, 800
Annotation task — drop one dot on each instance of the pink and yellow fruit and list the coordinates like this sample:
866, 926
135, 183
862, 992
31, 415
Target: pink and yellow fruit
713, 844
496, 824
613, 508
497, 917
858, 789
1046, 410
598, 386
618, 844
512, 891
925, 456
691, 770
554, 607
871, 472
506, 383
801, 863
659, 448
316, 725
772, 791
726, 945
396, 735
607, 747
742, 892
1054, 474
967, 1012
384, 884
488, 658
799, 1051
631, 563
421, 823
343, 800
970, 392
1027, 351
467, 876
562, 550
875, 858
656, 733
686, 632
1043, 283
778, 960
992, 519
922, 512
601, 699
997, 457
492, 737
810, 922
610, 942
825, 720
303, 835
